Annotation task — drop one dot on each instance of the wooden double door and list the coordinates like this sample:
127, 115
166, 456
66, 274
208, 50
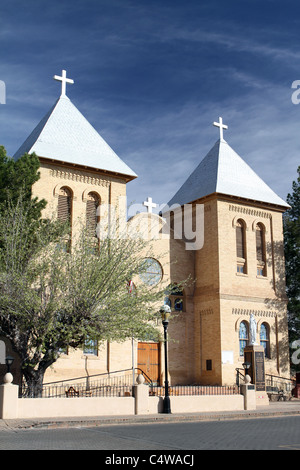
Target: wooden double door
149, 360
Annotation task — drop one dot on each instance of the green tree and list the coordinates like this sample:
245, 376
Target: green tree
292, 258
16, 180
51, 299
17, 177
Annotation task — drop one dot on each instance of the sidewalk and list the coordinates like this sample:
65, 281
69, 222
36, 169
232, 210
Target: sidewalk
275, 409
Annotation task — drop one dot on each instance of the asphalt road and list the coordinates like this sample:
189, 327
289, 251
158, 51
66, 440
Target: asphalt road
282, 433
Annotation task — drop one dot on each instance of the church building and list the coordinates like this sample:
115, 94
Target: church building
237, 269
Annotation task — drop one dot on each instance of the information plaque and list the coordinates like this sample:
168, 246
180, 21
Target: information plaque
255, 356
259, 361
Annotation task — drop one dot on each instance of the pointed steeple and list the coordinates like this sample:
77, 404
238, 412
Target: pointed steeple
223, 171
65, 135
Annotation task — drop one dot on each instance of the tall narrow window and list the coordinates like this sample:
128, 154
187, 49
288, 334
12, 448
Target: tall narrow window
64, 210
265, 338
243, 336
92, 216
260, 250
64, 213
241, 247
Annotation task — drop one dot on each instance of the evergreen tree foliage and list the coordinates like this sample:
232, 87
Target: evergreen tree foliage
17, 177
292, 258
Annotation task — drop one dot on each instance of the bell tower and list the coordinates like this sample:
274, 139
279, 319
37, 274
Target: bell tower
239, 271
76, 164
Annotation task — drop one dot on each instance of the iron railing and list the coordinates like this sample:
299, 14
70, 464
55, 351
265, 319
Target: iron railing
120, 384
240, 376
99, 390
192, 390
79, 390
117, 383
273, 382
281, 383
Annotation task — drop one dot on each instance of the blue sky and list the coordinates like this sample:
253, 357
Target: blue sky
151, 77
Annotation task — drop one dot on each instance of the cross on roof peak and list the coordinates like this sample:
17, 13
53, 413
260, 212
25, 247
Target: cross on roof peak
149, 204
64, 80
221, 126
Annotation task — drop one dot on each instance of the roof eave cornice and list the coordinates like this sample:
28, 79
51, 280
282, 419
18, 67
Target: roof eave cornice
100, 171
241, 200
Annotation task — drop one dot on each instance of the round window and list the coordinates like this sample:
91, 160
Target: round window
151, 272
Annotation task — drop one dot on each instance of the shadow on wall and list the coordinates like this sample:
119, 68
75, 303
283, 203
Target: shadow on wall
276, 265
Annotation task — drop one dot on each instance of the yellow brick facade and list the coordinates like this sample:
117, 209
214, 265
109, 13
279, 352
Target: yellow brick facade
224, 298
204, 337
81, 181
204, 342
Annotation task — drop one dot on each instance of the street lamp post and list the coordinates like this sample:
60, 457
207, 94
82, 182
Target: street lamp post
165, 313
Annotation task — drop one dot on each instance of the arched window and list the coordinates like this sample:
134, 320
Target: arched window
92, 215
241, 252
64, 213
178, 304
64, 208
175, 298
2, 352
243, 336
265, 338
260, 250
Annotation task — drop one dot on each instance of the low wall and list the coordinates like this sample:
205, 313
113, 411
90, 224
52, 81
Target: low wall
66, 407
12, 407
198, 404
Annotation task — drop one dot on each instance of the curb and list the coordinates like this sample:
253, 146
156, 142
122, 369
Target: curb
109, 421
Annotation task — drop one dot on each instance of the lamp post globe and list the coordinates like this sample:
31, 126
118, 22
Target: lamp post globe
165, 312
246, 366
8, 361
8, 378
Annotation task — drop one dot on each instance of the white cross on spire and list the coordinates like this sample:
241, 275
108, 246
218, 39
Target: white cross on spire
63, 79
221, 126
149, 204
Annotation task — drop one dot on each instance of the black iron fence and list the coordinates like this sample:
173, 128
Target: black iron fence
94, 389
113, 384
79, 390
118, 384
191, 390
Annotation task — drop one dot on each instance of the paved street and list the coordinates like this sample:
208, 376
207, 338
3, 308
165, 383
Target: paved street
280, 433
